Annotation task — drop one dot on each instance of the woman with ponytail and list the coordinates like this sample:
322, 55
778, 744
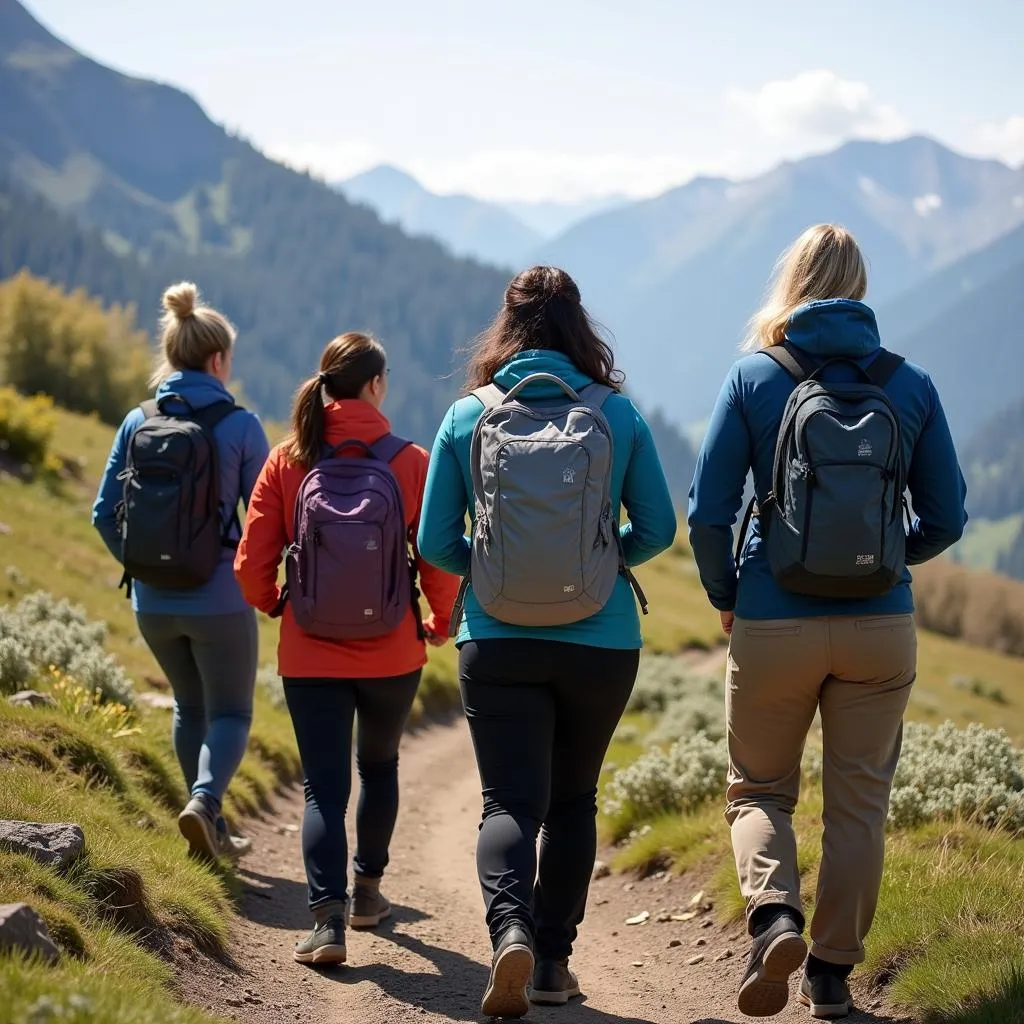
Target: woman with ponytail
331, 681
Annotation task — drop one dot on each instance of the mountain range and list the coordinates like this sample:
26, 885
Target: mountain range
502, 234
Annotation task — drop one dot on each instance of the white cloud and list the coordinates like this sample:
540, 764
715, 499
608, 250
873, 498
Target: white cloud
819, 105
1005, 140
335, 162
514, 174
925, 205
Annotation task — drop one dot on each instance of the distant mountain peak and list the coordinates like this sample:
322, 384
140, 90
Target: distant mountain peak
19, 30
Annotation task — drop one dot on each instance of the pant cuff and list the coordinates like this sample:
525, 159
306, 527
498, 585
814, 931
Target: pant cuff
775, 899
846, 957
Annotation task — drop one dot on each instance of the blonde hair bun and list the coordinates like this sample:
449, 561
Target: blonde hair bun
180, 300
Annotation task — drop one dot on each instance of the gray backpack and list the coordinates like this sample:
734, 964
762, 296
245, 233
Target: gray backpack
546, 546
833, 522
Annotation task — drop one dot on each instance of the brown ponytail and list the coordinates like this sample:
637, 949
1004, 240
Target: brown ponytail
347, 365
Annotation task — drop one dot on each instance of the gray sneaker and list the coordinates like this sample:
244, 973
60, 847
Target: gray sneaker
198, 824
368, 907
325, 943
232, 847
553, 983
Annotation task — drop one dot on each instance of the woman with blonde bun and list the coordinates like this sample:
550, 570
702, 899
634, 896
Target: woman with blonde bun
167, 509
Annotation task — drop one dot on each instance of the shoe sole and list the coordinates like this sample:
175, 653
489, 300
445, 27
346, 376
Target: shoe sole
323, 955
827, 1011
197, 832
766, 993
370, 920
506, 994
554, 998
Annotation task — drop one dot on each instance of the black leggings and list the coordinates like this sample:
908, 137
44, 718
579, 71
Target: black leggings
541, 714
322, 711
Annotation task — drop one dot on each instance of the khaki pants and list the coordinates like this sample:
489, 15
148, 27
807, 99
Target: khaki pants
859, 672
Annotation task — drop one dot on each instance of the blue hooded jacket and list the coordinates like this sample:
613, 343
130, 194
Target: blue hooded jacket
742, 435
637, 483
243, 448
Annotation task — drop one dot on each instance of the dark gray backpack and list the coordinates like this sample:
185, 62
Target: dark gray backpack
546, 547
833, 522
173, 529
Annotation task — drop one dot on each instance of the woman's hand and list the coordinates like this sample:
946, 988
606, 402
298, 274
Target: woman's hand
434, 639
728, 618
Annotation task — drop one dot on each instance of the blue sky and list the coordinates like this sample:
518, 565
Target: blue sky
572, 98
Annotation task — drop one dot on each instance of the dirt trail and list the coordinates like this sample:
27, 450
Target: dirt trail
429, 963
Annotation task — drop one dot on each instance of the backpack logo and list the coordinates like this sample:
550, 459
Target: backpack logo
368, 612
371, 545
864, 449
865, 559
569, 589
568, 475
163, 447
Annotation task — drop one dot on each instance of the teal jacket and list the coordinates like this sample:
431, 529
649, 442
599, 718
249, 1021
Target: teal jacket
637, 484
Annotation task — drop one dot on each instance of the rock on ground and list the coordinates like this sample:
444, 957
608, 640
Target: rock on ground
23, 930
31, 699
55, 845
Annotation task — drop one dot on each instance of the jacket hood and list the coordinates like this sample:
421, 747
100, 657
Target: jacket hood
541, 361
197, 388
354, 419
834, 327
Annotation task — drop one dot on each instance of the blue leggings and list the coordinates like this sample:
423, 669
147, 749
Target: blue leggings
322, 713
210, 662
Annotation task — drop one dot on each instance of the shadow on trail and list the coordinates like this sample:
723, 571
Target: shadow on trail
455, 986
272, 901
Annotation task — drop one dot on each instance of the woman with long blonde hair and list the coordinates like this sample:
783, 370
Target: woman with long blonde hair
801, 641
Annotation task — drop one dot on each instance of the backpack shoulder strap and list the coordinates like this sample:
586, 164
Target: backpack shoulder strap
490, 395
596, 394
211, 415
150, 409
882, 367
388, 447
792, 360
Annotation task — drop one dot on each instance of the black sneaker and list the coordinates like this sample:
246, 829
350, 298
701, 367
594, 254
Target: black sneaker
511, 971
325, 944
776, 954
826, 996
553, 983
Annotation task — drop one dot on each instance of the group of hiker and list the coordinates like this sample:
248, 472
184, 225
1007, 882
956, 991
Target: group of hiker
558, 475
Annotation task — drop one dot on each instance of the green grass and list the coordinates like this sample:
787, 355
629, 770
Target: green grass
29, 996
986, 540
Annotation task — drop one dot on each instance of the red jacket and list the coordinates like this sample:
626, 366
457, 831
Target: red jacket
270, 527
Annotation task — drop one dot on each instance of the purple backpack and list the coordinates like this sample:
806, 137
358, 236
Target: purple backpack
349, 573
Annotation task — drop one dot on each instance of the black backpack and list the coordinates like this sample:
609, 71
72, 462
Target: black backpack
169, 516
833, 522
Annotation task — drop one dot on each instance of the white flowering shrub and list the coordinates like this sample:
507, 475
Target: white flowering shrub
53, 633
946, 773
15, 667
269, 681
677, 780
663, 679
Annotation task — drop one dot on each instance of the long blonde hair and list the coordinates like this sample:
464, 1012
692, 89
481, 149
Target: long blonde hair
825, 262
190, 333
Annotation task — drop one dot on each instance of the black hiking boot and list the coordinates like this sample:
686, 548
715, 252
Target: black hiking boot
778, 951
511, 971
368, 907
553, 983
825, 992
326, 943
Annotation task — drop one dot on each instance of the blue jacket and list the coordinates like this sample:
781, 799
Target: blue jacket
638, 484
742, 436
243, 449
